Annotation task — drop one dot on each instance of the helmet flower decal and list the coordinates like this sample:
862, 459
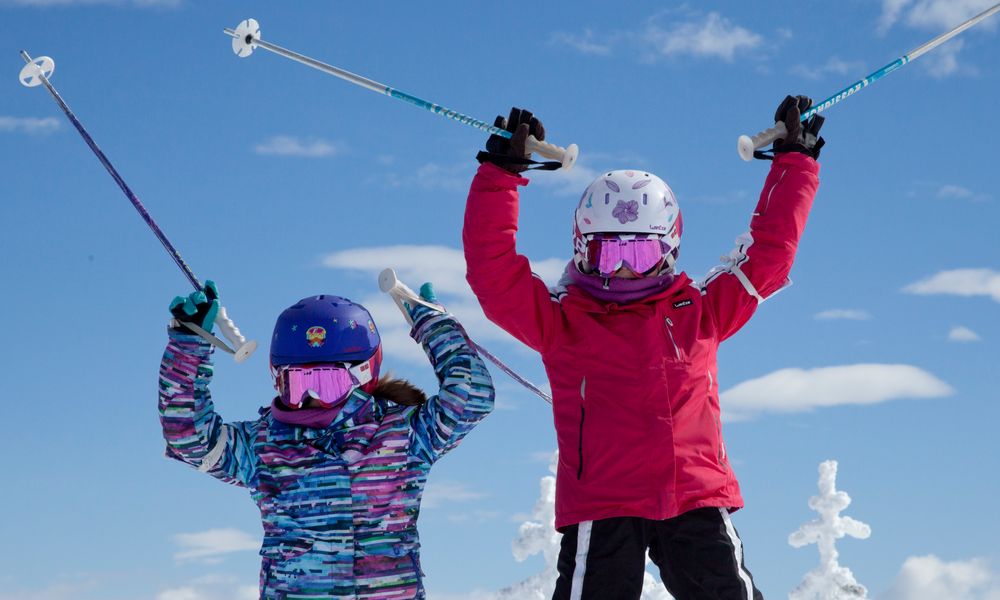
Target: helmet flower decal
626, 211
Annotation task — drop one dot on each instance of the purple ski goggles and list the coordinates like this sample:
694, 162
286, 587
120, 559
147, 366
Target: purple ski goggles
326, 384
641, 254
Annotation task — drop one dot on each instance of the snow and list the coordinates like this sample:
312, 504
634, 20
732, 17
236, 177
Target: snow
829, 581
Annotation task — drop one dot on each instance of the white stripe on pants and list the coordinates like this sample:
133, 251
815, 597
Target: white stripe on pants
738, 552
580, 568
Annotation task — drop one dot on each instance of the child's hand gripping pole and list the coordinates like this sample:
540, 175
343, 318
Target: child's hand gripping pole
402, 294
246, 39
200, 310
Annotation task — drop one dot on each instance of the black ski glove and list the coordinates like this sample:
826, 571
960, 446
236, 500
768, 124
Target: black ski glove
801, 137
199, 308
510, 154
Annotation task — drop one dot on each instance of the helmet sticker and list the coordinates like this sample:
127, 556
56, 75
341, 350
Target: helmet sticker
626, 211
316, 336
371, 326
352, 324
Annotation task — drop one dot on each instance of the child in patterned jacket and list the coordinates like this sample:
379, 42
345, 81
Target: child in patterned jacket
337, 463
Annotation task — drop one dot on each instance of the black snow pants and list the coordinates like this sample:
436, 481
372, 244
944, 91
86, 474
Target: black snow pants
699, 555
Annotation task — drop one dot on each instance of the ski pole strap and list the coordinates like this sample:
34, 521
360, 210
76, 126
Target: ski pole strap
503, 159
203, 334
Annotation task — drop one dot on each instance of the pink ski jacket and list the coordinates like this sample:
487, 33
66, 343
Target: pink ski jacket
634, 386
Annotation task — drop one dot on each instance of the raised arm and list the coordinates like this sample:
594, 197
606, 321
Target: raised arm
194, 432
759, 265
466, 393
511, 295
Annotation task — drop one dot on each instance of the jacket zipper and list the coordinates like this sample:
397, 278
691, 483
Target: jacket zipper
583, 396
718, 421
670, 332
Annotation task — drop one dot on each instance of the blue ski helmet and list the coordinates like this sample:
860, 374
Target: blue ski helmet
321, 329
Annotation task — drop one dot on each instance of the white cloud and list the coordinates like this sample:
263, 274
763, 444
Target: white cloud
959, 282
584, 43
565, 183
939, 16
29, 125
286, 145
473, 517
931, 14
209, 545
891, 11
963, 334
946, 14
438, 492
414, 264
943, 62
954, 191
799, 390
714, 36
227, 590
843, 314
55, 591
833, 66
930, 578
454, 177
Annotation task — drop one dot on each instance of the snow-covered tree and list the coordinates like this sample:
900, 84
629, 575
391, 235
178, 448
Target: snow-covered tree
829, 581
538, 535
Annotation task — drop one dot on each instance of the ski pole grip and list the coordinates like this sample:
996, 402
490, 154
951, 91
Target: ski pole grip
567, 156
747, 144
229, 329
400, 293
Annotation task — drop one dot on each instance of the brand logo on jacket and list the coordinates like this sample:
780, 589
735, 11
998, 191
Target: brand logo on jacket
683, 303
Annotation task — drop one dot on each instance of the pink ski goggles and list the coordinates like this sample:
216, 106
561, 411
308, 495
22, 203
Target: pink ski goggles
326, 384
609, 253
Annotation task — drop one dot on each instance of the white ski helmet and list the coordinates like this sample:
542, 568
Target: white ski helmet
627, 202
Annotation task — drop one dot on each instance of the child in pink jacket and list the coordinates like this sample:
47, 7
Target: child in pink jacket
629, 345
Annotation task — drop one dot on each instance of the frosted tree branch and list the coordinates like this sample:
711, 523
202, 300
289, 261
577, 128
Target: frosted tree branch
829, 581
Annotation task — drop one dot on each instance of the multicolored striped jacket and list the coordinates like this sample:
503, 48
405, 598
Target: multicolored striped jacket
339, 505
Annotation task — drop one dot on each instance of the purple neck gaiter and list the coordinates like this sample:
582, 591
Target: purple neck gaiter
315, 418
614, 289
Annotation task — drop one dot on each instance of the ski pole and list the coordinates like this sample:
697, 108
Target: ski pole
747, 144
246, 38
37, 72
400, 292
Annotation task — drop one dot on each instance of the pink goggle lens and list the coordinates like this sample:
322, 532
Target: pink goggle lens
610, 254
327, 385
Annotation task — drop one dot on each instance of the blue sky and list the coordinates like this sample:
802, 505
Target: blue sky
279, 182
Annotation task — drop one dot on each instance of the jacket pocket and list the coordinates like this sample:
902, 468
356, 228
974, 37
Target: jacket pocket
285, 549
675, 339
391, 543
